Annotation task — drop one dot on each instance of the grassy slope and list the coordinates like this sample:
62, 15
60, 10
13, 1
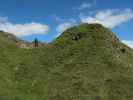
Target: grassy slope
92, 68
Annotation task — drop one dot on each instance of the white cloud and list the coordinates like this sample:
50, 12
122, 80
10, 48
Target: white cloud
109, 18
22, 29
58, 19
62, 27
128, 43
84, 6
64, 24
63, 20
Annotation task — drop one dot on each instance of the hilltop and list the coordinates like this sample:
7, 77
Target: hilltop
86, 62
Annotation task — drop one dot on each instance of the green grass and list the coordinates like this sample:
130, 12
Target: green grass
91, 68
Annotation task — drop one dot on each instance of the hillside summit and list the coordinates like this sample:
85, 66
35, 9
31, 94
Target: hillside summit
86, 62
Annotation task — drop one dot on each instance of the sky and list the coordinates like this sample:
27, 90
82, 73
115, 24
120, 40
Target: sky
47, 19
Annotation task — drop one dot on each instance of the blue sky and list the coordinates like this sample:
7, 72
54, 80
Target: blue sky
46, 19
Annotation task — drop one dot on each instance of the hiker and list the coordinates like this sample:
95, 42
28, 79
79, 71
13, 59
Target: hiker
36, 44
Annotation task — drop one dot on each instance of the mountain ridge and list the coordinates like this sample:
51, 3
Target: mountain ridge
19, 42
87, 62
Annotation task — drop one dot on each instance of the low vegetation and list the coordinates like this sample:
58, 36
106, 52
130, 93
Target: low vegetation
87, 62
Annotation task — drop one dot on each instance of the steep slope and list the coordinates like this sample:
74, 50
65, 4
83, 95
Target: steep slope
7, 39
102, 63
87, 62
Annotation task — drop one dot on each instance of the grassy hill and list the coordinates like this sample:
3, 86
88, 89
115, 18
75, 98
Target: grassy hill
87, 62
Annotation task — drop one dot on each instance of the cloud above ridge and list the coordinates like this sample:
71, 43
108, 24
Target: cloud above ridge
62, 27
109, 18
128, 43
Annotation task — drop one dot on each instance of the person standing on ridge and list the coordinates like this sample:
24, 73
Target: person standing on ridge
36, 43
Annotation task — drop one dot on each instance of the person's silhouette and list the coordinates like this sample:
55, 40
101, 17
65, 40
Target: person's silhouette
36, 43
